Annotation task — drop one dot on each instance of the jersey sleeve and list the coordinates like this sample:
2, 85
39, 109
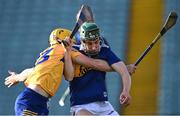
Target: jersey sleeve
75, 53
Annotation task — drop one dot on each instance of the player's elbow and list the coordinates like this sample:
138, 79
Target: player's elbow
69, 77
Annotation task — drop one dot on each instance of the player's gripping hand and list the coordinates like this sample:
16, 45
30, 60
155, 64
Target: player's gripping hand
12, 79
125, 98
68, 43
131, 68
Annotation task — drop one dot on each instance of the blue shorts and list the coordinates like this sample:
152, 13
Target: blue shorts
30, 102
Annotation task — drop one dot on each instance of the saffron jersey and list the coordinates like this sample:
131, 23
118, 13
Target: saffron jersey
49, 68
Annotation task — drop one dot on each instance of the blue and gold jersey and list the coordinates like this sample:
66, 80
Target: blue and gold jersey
89, 85
49, 68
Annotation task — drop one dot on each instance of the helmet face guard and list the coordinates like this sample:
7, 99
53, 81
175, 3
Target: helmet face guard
87, 47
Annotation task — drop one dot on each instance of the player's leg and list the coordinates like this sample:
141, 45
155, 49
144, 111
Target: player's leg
105, 108
32, 103
83, 109
101, 108
95, 108
83, 112
21, 108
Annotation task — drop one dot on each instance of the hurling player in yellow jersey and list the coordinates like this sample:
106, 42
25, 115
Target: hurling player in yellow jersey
43, 80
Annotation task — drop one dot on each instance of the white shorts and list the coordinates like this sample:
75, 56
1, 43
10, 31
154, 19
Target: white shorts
96, 108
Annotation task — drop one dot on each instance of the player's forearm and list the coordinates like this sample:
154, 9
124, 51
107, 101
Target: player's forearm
126, 81
96, 64
68, 67
24, 74
100, 65
120, 67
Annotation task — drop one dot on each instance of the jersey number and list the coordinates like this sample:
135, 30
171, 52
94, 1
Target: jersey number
44, 56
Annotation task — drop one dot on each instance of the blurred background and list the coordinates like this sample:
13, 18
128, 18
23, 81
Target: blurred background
128, 25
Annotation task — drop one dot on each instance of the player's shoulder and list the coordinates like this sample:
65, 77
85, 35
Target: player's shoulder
104, 48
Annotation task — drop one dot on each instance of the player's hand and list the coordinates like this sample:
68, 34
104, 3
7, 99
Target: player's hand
68, 42
11, 80
125, 98
131, 68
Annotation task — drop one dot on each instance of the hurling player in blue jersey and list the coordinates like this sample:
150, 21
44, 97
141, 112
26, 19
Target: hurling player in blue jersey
88, 88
